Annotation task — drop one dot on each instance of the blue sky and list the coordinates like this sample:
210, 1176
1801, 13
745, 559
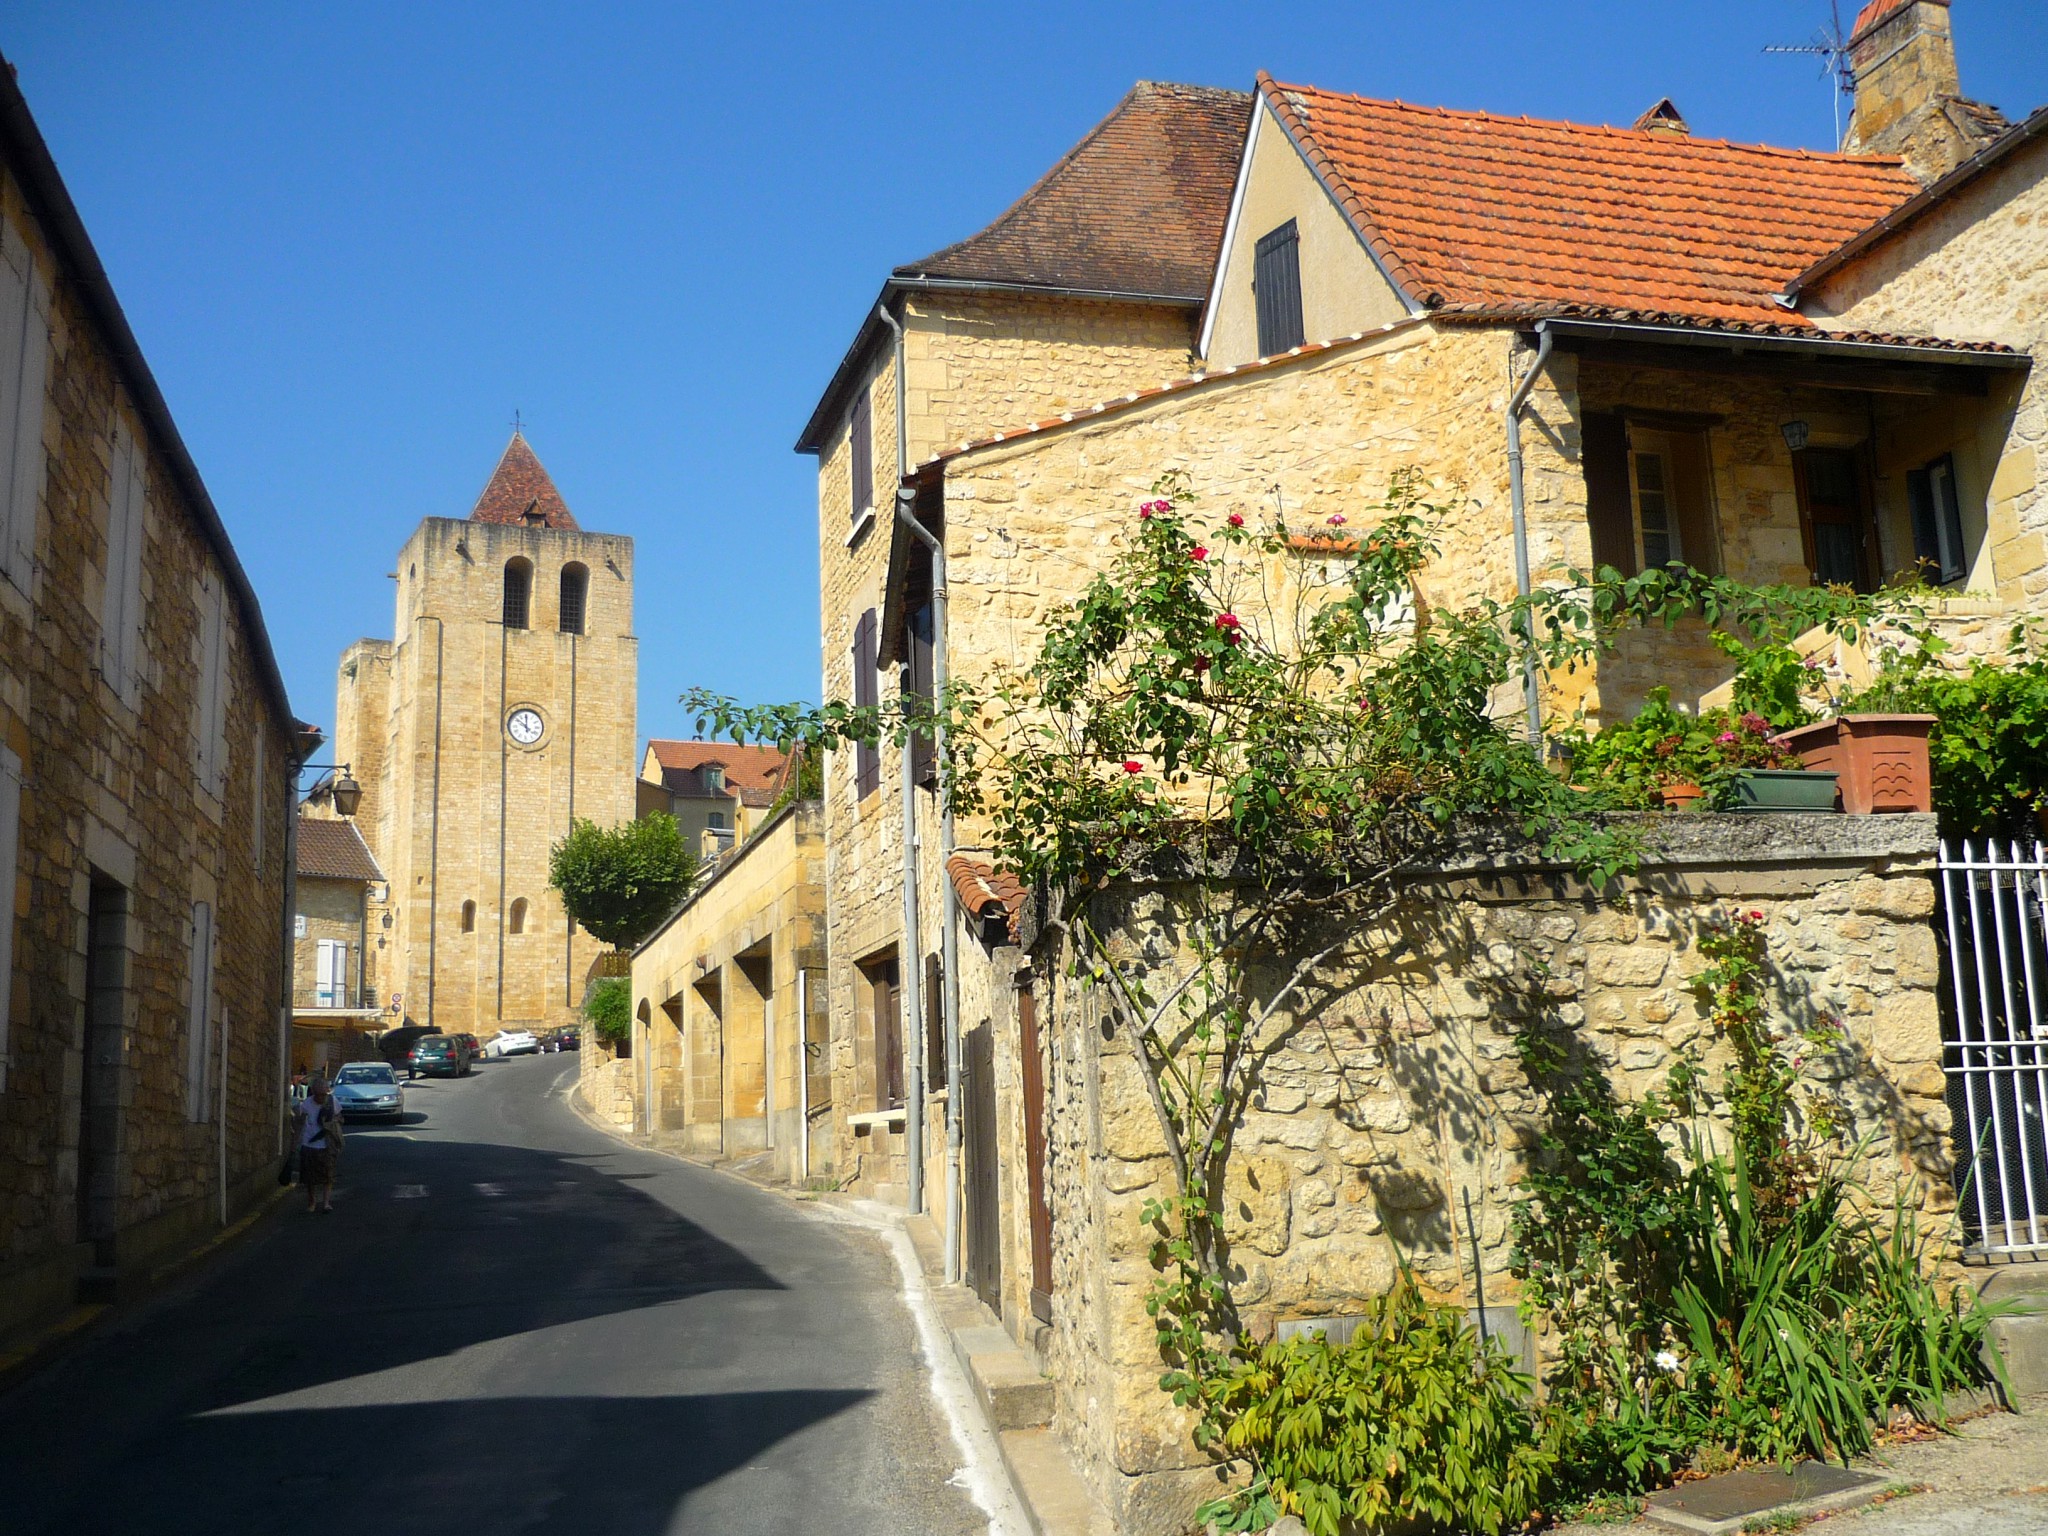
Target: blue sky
354, 239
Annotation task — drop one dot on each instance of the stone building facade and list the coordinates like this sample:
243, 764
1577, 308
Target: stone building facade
730, 1036
147, 753
337, 1002
1088, 285
503, 710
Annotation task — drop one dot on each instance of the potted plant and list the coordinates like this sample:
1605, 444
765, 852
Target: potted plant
1657, 759
1757, 772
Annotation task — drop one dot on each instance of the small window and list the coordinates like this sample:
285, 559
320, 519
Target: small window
1656, 524
860, 438
469, 917
575, 587
1937, 521
518, 591
516, 918
1276, 290
714, 778
715, 820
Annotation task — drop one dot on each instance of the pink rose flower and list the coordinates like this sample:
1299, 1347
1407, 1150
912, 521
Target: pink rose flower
1337, 520
1226, 621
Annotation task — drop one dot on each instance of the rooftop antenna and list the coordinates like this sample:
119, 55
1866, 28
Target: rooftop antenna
1831, 46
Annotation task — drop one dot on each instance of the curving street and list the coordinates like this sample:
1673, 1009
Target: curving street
512, 1323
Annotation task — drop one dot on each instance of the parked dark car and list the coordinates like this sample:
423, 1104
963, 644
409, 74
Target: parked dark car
395, 1045
561, 1040
476, 1046
441, 1056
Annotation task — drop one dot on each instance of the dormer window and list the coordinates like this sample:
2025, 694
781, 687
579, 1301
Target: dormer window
1276, 289
714, 778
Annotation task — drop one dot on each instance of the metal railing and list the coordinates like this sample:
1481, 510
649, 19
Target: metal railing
339, 996
1995, 923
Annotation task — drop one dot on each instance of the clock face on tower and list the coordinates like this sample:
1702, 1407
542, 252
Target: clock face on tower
525, 726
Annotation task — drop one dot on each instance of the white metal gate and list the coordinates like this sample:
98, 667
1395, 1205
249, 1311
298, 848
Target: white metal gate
1995, 912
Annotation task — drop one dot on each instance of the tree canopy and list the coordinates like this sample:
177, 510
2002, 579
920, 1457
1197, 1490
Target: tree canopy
621, 882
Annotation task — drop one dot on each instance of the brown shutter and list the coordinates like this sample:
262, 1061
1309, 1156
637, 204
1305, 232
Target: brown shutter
1610, 511
867, 757
924, 755
934, 1021
861, 441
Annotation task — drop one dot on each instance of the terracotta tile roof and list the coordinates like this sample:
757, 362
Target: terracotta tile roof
755, 774
1875, 11
987, 892
1469, 208
1136, 207
521, 492
335, 850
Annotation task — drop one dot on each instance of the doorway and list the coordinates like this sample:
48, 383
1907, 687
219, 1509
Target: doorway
1834, 518
1034, 1154
984, 1176
99, 1087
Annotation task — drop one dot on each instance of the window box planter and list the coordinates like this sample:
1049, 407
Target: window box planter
1784, 789
1882, 759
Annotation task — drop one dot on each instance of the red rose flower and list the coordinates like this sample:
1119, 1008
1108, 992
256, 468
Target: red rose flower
1226, 621
1134, 767
1237, 519
1199, 552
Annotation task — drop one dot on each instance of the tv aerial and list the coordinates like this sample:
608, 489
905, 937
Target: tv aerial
1830, 45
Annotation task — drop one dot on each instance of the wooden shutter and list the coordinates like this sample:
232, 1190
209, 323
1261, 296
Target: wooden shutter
888, 1036
24, 362
212, 753
934, 1022
1276, 289
1035, 1153
1610, 514
199, 1011
860, 433
121, 605
867, 756
10, 875
1937, 519
924, 756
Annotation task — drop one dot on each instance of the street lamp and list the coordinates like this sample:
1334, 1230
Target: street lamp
1796, 434
347, 793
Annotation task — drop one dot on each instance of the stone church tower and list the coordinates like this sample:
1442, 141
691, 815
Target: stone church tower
502, 708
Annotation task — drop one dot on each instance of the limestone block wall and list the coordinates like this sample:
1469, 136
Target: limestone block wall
1395, 1089
1975, 268
102, 1158
330, 910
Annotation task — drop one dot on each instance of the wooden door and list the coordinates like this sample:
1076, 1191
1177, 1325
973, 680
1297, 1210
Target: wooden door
1034, 1154
1834, 518
983, 1174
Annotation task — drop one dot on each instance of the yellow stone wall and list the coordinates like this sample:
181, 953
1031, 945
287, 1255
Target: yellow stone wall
1974, 269
458, 813
112, 789
975, 364
726, 1002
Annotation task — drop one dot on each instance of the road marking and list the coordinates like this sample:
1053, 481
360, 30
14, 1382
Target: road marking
495, 1191
409, 1192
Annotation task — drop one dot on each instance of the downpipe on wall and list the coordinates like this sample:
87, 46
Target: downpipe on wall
1532, 702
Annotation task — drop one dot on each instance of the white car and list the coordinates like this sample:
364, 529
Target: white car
513, 1042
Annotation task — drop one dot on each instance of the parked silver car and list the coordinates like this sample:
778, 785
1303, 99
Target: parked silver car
366, 1088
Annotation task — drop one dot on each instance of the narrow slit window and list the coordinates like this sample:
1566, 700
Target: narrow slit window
516, 918
518, 591
469, 917
575, 588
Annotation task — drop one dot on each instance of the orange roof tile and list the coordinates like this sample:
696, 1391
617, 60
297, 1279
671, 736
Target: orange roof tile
755, 774
1880, 10
1466, 208
987, 892
335, 850
520, 491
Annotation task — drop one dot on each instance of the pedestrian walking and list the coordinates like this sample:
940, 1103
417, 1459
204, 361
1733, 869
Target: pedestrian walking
316, 1119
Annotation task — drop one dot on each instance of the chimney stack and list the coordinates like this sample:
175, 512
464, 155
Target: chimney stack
1909, 99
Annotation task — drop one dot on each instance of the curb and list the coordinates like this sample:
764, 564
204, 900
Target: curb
42, 1345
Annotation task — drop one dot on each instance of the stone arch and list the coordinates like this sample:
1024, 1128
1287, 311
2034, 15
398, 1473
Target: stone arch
518, 591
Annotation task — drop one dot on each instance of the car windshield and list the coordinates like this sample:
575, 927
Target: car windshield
364, 1075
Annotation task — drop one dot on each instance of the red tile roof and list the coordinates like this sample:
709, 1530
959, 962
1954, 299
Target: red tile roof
335, 850
1876, 11
521, 492
1469, 208
985, 891
1137, 207
755, 774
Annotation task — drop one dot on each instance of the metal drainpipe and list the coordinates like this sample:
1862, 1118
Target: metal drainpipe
1532, 701
910, 970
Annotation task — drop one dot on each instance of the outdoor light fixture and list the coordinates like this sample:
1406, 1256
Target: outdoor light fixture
347, 793
1796, 433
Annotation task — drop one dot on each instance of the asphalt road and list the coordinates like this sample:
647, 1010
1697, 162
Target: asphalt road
511, 1323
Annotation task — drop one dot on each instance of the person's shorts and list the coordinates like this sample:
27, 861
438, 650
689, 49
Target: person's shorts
316, 1165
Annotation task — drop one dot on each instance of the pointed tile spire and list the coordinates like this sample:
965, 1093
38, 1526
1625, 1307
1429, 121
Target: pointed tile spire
520, 492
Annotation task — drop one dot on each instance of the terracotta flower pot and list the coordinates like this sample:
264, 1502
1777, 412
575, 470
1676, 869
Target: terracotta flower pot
1882, 759
1679, 797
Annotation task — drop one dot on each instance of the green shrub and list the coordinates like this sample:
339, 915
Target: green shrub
1416, 1418
609, 1007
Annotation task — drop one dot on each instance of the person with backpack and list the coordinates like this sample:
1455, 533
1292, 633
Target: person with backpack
316, 1123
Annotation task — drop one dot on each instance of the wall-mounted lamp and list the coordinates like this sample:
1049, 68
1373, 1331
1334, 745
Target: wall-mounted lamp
1796, 434
347, 793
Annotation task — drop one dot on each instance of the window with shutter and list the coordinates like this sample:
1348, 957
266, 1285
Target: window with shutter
924, 756
1610, 515
199, 1012
860, 437
210, 726
24, 363
10, 876
934, 1021
1276, 289
1937, 521
121, 601
259, 799
867, 758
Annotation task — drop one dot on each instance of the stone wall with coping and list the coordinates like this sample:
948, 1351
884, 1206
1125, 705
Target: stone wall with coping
1395, 1087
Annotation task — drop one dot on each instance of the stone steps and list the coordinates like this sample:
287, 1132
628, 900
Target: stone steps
2022, 1337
